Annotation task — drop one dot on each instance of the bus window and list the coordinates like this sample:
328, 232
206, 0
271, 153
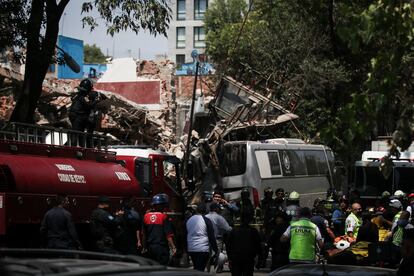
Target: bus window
274, 163
268, 163
311, 163
293, 163
234, 159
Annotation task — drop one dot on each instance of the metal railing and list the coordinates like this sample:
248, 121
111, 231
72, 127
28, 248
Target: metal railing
23, 132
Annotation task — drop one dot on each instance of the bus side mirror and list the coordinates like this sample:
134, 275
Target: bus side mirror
190, 176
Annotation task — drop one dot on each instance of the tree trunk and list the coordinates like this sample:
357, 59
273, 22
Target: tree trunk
38, 57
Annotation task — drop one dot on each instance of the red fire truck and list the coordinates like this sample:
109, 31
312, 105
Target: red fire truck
36, 163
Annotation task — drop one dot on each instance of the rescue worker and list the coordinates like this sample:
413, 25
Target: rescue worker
128, 236
339, 216
303, 235
319, 220
245, 204
104, 225
158, 231
57, 228
82, 106
292, 210
280, 200
280, 250
396, 206
403, 224
269, 209
353, 221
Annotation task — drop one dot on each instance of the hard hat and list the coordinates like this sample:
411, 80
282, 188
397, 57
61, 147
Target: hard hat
385, 194
159, 199
85, 85
294, 195
399, 193
411, 196
395, 203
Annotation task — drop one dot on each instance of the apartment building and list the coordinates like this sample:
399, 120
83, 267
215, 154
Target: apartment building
186, 30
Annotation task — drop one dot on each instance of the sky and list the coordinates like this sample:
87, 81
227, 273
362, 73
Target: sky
123, 44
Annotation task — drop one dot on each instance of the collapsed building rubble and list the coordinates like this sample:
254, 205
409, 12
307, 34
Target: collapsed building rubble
236, 113
125, 121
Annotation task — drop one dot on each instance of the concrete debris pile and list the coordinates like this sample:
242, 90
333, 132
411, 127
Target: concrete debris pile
125, 121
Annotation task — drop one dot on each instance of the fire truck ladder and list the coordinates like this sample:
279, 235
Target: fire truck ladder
23, 132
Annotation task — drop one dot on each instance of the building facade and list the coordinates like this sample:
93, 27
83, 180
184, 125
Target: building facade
186, 30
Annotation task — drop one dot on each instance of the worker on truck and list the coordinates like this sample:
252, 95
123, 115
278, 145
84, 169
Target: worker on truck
82, 105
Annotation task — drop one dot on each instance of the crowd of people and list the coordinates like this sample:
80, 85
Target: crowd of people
218, 231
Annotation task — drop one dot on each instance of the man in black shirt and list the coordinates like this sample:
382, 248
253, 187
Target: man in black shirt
104, 225
58, 229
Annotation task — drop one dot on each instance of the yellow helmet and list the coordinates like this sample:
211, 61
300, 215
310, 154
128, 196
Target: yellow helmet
294, 195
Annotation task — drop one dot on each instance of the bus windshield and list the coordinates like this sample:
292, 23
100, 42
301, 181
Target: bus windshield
369, 181
233, 161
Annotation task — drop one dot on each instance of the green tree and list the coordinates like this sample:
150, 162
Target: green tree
279, 48
13, 20
93, 54
42, 32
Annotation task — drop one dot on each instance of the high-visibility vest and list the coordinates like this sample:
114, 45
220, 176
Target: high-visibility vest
302, 241
397, 237
396, 217
358, 223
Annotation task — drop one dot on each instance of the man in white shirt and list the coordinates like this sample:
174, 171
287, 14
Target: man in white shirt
200, 237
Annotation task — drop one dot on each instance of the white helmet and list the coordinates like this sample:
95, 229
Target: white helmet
294, 195
395, 203
399, 194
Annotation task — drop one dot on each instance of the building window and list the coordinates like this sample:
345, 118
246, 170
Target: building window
200, 7
199, 37
180, 37
179, 60
180, 9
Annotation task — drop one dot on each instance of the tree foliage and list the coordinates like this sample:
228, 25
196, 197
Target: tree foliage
13, 20
348, 64
93, 54
42, 27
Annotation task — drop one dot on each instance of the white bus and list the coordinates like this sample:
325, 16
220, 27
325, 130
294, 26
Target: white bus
290, 164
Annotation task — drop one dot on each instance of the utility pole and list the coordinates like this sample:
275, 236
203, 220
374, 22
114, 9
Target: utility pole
187, 162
